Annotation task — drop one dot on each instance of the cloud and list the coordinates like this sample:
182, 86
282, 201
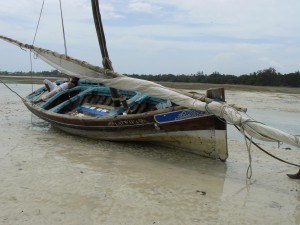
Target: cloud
142, 6
171, 36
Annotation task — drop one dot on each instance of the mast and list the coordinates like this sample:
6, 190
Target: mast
102, 43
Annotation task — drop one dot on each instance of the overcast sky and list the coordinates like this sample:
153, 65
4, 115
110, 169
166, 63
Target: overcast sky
160, 36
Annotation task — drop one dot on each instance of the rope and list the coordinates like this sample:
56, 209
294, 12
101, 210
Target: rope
248, 145
12, 90
37, 26
63, 27
275, 157
31, 77
30, 56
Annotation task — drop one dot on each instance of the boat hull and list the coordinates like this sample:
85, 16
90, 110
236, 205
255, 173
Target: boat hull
203, 134
208, 143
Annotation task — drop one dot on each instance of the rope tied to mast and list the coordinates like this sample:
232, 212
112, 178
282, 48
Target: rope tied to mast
63, 28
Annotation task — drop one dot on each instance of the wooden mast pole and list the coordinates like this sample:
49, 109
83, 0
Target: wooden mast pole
102, 43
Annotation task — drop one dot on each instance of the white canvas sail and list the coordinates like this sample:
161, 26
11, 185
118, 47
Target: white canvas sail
83, 70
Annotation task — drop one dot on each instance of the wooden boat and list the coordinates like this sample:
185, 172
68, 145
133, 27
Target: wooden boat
149, 111
87, 110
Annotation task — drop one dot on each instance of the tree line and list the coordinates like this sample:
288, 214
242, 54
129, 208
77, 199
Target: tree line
52, 73
266, 77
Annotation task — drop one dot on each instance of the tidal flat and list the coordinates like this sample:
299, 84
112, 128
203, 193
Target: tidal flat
50, 177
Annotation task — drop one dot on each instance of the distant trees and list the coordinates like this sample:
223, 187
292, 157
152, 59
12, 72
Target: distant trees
52, 73
269, 77
266, 77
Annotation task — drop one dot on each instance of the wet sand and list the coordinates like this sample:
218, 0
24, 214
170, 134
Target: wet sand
49, 177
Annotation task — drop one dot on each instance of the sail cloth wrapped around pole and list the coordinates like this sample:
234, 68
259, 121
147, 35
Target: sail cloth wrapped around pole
84, 70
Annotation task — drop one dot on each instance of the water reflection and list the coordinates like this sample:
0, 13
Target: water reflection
158, 180
131, 154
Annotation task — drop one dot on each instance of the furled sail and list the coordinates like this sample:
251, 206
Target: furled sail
84, 70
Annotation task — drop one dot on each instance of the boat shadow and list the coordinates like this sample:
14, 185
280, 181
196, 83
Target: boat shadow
93, 153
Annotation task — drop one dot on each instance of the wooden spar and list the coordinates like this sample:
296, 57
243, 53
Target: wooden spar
209, 97
110, 73
102, 43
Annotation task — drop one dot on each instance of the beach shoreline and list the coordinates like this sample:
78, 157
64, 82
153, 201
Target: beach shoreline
50, 177
178, 85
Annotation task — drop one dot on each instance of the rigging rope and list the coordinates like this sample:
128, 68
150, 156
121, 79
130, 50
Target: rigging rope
260, 148
248, 144
37, 26
34, 37
63, 27
11, 89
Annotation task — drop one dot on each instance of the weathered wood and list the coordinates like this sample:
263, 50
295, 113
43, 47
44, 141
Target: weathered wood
217, 94
102, 43
191, 130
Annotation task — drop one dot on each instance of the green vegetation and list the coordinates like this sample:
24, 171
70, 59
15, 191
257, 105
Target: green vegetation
267, 77
53, 73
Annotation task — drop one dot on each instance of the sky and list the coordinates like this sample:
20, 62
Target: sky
158, 36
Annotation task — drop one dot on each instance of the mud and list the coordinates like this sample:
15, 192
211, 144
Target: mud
49, 177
